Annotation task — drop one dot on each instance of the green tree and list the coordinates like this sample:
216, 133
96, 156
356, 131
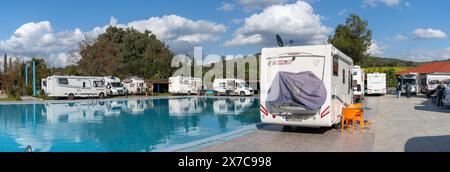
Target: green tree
354, 38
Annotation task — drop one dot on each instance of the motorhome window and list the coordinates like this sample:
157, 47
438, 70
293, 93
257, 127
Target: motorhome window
350, 79
131, 85
44, 83
343, 76
222, 85
336, 65
98, 84
63, 81
116, 84
84, 84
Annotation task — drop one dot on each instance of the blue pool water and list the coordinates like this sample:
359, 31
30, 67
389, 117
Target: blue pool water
121, 126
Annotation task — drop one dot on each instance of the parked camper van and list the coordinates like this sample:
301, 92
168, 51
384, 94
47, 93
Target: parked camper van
413, 79
376, 84
135, 85
230, 87
305, 85
72, 87
184, 85
359, 78
430, 82
114, 86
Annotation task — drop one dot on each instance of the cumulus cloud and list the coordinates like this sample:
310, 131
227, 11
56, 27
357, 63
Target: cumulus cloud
399, 37
39, 39
373, 3
296, 22
377, 48
429, 34
226, 7
250, 5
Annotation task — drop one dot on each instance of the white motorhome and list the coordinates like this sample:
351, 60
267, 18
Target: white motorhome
135, 85
114, 86
72, 87
184, 85
231, 87
413, 80
305, 86
359, 78
430, 82
376, 84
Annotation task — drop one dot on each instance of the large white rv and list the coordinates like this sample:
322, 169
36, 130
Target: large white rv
376, 84
184, 85
413, 80
305, 86
114, 86
231, 87
359, 78
72, 87
430, 82
135, 85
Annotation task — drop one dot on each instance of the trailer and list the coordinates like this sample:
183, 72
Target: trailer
232, 87
430, 82
359, 78
114, 86
135, 85
305, 86
72, 87
184, 85
376, 84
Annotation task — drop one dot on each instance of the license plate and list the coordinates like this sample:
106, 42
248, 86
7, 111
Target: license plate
293, 119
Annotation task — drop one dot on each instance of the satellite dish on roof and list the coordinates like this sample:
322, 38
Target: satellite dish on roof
280, 41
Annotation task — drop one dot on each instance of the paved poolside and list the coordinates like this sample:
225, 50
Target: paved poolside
397, 125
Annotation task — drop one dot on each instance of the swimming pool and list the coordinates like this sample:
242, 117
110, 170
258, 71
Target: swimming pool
121, 125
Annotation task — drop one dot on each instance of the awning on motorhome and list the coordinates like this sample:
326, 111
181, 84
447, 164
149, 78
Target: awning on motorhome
296, 93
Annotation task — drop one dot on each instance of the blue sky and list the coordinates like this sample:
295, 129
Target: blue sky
408, 29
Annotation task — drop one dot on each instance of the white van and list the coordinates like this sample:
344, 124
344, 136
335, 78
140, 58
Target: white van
376, 84
184, 85
359, 78
114, 86
72, 87
305, 86
230, 87
135, 85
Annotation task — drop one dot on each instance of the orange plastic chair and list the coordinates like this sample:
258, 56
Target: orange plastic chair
352, 114
359, 113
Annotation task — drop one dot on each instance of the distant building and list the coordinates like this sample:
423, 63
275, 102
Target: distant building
433, 67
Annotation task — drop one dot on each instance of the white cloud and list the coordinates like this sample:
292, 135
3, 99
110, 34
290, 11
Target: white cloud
237, 21
374, 3
429, 34
377, 48
427, 54
226, 7
296, 22
399, 37
39, 39
250, 5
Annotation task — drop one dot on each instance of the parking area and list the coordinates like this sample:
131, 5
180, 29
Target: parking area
396, 125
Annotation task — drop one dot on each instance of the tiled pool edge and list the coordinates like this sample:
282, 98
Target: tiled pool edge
211, 141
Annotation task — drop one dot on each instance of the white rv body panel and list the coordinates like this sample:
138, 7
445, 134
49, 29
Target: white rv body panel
79, 86
184, 85
432, 81
376, 83
232, 86
114, 86
323, 61
358, 82
447, 96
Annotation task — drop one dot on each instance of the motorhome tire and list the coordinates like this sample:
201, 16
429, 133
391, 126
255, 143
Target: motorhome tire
242, 94
71, 96
189, 93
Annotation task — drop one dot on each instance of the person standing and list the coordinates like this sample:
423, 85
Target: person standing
440, 94
399, 90
408, 90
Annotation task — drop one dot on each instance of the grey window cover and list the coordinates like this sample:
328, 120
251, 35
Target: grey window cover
296, 94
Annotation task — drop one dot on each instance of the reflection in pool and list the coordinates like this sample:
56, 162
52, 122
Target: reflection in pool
121, 126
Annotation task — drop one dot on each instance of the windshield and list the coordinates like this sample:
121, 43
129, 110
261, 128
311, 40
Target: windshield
410, 81
116, 84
